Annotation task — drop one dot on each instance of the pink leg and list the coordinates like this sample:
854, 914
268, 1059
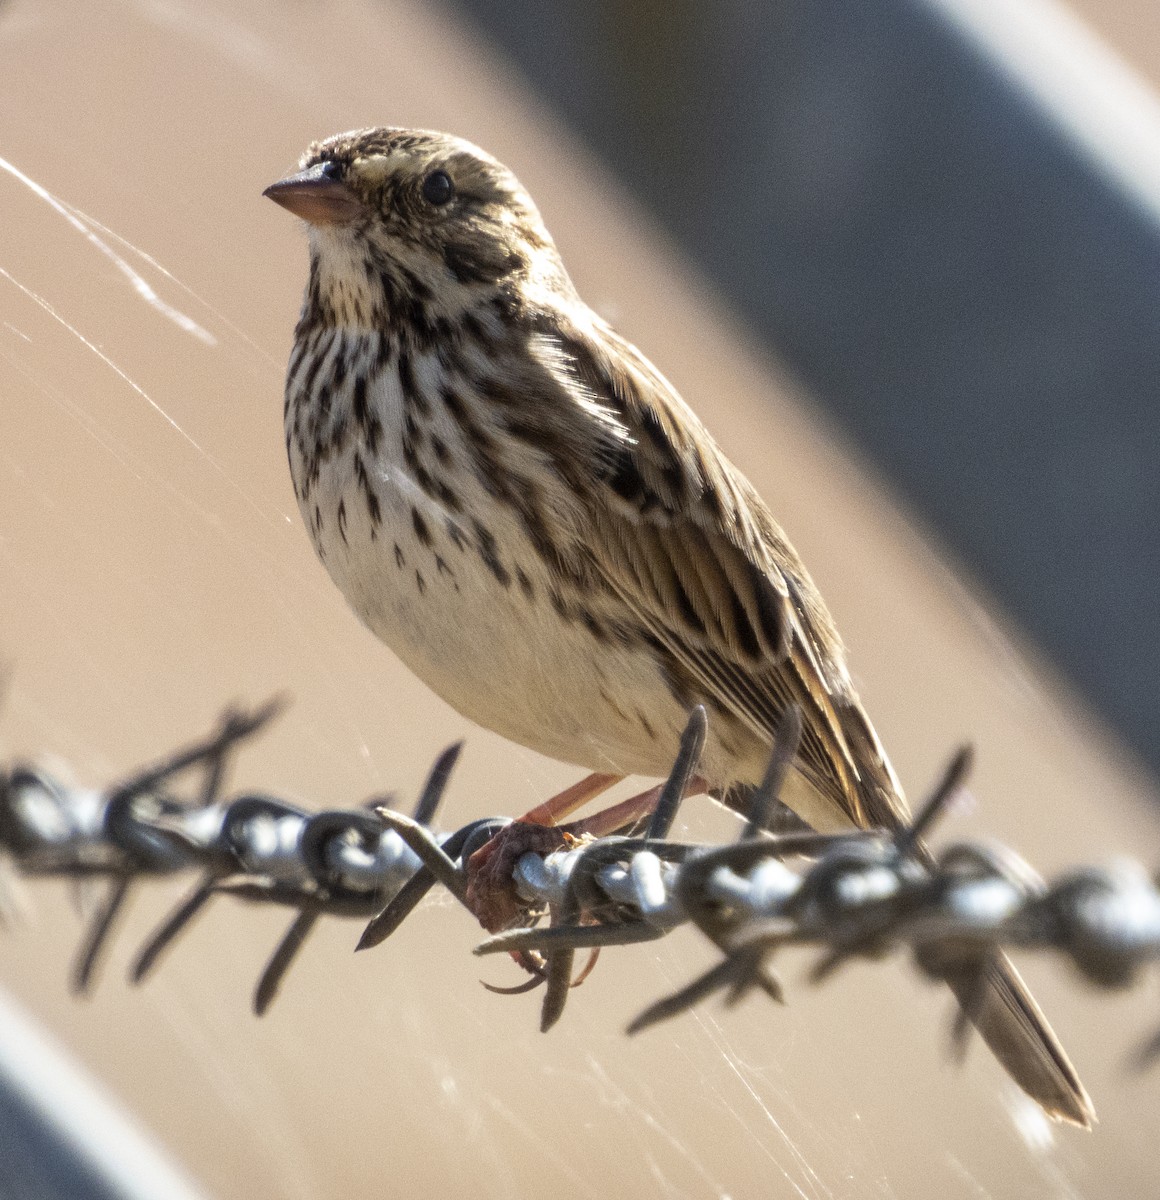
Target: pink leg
570, 799
627, 811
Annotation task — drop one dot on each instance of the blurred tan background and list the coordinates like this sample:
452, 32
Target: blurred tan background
154, 567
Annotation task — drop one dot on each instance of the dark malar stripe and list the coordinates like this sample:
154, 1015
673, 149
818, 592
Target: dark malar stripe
317, 359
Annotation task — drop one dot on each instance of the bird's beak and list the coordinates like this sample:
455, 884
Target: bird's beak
315, 196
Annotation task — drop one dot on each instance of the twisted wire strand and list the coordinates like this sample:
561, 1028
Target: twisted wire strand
851, 896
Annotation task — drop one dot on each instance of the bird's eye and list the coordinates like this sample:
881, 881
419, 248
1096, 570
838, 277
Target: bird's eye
438, 188
331, 169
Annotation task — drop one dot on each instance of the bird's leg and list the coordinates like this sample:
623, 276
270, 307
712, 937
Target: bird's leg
569, 800
627, 812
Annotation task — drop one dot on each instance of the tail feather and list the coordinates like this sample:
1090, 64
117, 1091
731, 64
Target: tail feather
998, 1004
1013, 1026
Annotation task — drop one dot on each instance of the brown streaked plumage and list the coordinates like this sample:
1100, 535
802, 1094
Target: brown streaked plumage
516, 501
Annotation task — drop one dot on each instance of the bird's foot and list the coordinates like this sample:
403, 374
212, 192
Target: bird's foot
491, 891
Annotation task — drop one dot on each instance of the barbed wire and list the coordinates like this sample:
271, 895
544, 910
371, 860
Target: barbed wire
850, 896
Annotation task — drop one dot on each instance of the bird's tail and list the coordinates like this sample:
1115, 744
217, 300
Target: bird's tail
1007, 1017
992, 995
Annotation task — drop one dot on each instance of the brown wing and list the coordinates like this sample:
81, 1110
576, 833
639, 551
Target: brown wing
688, 545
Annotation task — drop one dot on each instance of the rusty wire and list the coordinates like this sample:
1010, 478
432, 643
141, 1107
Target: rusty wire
850, 896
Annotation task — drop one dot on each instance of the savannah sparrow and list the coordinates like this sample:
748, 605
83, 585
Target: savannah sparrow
520, 505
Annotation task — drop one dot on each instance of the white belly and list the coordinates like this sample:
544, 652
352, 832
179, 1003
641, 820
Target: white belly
490, 642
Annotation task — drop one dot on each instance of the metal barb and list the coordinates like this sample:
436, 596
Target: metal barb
847, 896
936, 806
432, 793
785, 746
282, 959
689, 754
178, 921
97, 937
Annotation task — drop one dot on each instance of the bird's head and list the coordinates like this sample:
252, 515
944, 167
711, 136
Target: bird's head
410, 227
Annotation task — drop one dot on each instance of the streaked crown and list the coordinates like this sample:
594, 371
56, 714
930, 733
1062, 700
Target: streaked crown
411, 225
